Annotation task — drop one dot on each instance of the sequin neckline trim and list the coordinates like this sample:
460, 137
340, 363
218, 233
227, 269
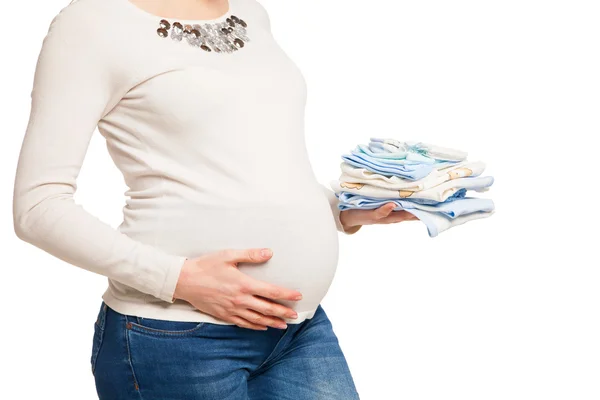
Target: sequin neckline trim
220, 37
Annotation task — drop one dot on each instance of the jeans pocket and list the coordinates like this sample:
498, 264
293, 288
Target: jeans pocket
160, 327
98, 335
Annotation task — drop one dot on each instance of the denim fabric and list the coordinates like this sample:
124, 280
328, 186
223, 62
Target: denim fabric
150, 359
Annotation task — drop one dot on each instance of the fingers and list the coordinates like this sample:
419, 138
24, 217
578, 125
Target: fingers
266, 307
244, 323
247, 255
270, 291
256, 318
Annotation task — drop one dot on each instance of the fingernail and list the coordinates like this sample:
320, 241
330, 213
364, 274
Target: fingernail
282, 326
294, 315
265, 252
299, 297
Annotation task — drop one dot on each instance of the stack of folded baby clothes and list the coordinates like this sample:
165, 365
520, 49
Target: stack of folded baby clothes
426, 180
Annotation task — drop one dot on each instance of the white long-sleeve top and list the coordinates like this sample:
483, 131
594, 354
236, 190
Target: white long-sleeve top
211, 146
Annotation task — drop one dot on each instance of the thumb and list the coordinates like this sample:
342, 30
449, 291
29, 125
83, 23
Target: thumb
384, 210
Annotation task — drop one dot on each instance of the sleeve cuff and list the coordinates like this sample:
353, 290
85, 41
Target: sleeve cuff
171, 279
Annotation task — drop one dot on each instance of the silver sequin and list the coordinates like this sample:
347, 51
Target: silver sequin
177, 31
222, 37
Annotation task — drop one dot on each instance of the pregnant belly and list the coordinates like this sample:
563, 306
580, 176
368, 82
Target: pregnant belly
303, 238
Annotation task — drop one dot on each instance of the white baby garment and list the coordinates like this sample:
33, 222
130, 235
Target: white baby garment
426, 149
352, 174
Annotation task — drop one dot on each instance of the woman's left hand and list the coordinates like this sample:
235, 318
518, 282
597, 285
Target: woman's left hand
353, 219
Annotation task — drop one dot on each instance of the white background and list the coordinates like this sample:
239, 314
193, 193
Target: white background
501, 308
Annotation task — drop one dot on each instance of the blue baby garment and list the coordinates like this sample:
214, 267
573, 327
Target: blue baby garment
438, 223
452, 208
406, 170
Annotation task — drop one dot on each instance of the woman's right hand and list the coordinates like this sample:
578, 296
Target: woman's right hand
214, 285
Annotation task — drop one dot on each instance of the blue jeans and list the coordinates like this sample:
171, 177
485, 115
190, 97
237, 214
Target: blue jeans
151, 359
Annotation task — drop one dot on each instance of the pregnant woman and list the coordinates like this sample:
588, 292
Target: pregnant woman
228, 244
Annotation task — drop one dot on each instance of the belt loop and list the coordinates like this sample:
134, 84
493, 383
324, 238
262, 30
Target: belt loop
102, 315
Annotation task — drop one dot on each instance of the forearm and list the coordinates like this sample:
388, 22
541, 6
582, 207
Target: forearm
65, 230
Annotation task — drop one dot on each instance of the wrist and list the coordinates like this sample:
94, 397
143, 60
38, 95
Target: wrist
346, 225
178, 294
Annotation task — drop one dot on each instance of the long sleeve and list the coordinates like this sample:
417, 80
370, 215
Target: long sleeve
73, 89
333, 204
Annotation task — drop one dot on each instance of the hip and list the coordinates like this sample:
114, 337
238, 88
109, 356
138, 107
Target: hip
135, 357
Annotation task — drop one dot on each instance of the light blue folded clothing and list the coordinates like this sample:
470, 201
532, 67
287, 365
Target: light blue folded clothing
459, 194
437, 223
453, 208
436, 217
406, 170
440, 205
405, 157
